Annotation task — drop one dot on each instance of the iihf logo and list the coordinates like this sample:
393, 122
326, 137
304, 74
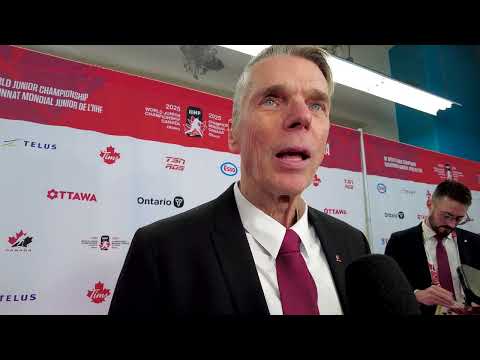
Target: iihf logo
194, 125
104, 242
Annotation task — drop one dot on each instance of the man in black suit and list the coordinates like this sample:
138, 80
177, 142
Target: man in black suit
430, 253
258, 248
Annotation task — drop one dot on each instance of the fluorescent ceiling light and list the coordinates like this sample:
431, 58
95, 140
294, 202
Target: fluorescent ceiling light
360, 78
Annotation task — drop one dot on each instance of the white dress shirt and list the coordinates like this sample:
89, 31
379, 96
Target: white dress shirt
265, 236
450, 244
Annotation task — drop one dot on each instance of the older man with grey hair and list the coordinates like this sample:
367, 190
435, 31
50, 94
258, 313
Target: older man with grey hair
258, 248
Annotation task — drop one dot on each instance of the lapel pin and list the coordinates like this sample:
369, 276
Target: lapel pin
338, 259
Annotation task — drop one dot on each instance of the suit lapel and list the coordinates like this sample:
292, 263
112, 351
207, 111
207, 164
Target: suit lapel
419, 257
331, 242
462, 243
235, 257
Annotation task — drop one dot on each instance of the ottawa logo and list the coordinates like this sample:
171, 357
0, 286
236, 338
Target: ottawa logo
53, 194
109, 155
99, 293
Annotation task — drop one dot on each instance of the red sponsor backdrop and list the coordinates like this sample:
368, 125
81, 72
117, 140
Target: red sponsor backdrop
401, 161
115, 103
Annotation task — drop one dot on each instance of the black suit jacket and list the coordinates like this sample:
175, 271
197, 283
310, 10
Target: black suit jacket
407, 248
199, 262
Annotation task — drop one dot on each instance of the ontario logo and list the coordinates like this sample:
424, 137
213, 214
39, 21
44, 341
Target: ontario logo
99, 293
19, 242
177, 201
109, 155
316, 180
400, 215
381, 188
229, 169
174, 163
53, 194
335, 211
194, 125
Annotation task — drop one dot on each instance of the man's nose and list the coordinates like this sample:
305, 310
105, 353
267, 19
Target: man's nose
299, 115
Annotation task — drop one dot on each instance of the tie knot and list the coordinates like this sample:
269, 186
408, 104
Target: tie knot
290, 243
439, 237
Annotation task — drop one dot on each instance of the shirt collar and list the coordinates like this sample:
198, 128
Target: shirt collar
265, 230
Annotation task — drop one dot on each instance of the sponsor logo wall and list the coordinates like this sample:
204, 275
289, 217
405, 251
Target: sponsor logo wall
89, 155
400, 180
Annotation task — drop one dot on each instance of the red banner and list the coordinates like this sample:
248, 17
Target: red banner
49, 90
401, 161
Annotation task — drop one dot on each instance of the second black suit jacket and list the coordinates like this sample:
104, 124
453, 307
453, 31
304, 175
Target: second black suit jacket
199, 262
407, 248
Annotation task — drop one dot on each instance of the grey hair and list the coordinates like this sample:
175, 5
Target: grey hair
309, 52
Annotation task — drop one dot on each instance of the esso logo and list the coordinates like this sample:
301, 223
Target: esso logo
381, 188
229, 169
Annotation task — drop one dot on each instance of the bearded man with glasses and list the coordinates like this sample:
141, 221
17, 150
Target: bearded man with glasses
430, 253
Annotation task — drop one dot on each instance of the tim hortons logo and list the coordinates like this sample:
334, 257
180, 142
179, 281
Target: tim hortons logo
99, 293
109, 155
174, 163
70, 195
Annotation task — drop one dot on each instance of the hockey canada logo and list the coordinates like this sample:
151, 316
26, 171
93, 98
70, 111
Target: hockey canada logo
20, 241
194, 125
99, 293
53, 194
109, 155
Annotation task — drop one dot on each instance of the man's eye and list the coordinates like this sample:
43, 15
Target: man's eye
317, 107
269, 101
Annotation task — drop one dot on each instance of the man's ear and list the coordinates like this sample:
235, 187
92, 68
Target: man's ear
233, 144
429, 204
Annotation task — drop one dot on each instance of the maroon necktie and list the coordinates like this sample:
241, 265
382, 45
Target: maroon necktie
298, 292
444, 274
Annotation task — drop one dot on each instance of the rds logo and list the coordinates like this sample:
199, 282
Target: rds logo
229, 169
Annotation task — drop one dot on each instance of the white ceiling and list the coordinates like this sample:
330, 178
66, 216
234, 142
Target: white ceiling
351, 108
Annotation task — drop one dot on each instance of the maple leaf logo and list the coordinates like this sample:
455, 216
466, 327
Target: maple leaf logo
99, 293
109, 155
52, 194
13, 239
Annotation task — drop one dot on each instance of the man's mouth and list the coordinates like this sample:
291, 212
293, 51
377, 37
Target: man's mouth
293, 153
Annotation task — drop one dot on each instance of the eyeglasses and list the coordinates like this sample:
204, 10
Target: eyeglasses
460, 220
